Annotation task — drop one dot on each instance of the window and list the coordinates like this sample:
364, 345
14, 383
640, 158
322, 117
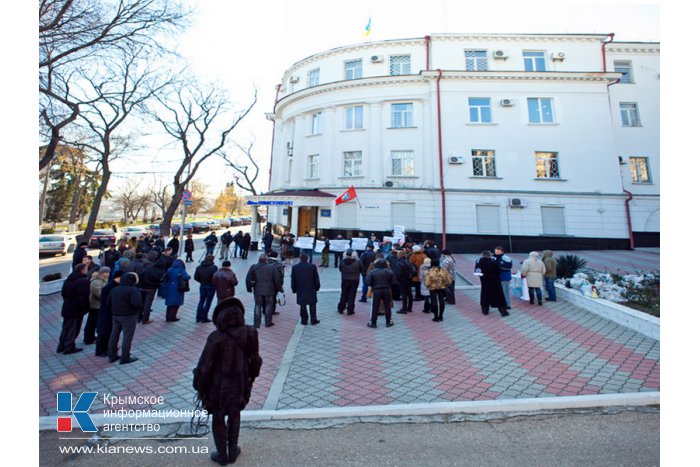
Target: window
400, 65
313, 167
312, 78
479, 110
476, 60
352, 164
534, 61
401, 115
353, 69
488, 219
346, 215
547, 165
624, 67
629, 114
539, 110
553, 220
315, 124
403, 214
402, 163
353, 117
640, 170
484, 162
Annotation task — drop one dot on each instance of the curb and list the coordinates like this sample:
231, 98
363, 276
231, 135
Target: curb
360, 413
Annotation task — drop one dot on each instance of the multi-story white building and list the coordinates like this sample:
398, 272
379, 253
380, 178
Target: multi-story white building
527, 140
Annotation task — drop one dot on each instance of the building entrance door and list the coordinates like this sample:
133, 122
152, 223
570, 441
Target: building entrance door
307, 220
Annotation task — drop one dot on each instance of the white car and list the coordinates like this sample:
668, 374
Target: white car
129, 232
56, 244
213, 225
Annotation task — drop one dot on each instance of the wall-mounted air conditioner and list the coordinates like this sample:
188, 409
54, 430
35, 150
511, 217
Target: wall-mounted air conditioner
560, 56
294, 79
507, 102
516, 203
500, 54
456, 159
376, 58
290, 148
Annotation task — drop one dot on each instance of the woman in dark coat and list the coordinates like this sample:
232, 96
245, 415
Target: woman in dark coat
305, 284
224, 376
491, 290
174, 297
245, 246
189, 248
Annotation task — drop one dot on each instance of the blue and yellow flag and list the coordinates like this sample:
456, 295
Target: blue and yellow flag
368, 28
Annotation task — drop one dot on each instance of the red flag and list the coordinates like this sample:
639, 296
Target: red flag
346, 196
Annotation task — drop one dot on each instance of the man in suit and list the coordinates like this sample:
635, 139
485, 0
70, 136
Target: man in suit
305, 284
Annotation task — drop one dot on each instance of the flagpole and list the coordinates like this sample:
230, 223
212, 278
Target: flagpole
357, 197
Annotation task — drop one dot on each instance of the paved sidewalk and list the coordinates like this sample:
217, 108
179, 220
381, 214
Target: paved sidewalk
539, 351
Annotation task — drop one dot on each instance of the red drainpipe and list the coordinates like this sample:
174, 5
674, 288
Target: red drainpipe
442, 180
427, 52
611, 36
269, 182
629, 219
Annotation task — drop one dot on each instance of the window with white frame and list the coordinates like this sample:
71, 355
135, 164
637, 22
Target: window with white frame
640, 170
313, 77
540, 110
401, 115
480, 110
484, 162
352, 164
476, 60
354, 117
488, 219
315, 123
553, 220
534, 61
353, 69
400, 65
546, 164
313, 167
629, 114
402, 163
624, 67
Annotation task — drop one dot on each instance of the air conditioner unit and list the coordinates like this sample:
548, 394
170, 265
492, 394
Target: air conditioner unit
376, 59
507, 102
290, 148
516, 203
501, 54
388, 184
294, 79
559, 56
456, 159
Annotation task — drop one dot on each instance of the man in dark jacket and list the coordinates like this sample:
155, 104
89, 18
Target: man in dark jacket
111, 256
267, 239
305, 284
224, 376
204, 274
225, 282
237, 240
79, 254
366, 259
150, 280
210, 242
189, 249
264, 280
76, 302
404, 271
125, 304
380, 279
505, 263
431, 250
226, 240
350, 271
491, 290
104, 316
174, 243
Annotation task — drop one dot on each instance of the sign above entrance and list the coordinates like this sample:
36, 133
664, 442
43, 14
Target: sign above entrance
270, 203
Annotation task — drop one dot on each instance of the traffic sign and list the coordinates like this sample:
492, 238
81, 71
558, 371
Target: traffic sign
186, 195
188, 202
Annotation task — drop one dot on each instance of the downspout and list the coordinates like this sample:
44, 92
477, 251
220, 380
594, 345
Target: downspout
629, 218
611, 36
442, 178
427, 52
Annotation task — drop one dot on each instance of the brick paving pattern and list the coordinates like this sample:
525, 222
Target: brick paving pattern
539, 351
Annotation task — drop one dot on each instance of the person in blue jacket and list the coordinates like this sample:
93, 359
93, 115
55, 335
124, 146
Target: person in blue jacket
174, 296
506, 264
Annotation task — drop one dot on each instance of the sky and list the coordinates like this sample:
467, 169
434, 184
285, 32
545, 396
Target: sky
245, 46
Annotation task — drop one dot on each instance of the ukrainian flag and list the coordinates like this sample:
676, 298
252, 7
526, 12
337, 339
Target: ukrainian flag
368, 28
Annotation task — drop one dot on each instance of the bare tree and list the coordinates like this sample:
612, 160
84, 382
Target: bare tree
194, 119
160, 195
131, 200
246, 173
75, 32
108, 101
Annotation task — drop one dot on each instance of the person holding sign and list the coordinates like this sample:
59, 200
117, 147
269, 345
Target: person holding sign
338, 252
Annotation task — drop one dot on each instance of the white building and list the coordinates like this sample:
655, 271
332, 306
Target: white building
526, 140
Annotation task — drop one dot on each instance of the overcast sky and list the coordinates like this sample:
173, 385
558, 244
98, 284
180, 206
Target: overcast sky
248, 45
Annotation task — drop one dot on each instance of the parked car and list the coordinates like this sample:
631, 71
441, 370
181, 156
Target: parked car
200, 226
224, 222
175, 229
56, 244
213, 224
135, 231
154, 228
247, 220
236, 221
102, 237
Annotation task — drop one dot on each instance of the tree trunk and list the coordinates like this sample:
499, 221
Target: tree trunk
75, 204
101, 190
169, 213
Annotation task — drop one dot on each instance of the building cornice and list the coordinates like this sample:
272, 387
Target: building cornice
634, 48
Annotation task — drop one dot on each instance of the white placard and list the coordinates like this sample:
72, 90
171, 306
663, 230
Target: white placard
340, 245
320, 245
399, 229
304, 243
359, 243
394, 240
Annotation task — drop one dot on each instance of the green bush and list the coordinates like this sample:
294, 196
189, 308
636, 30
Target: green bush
568, 265
47, 230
